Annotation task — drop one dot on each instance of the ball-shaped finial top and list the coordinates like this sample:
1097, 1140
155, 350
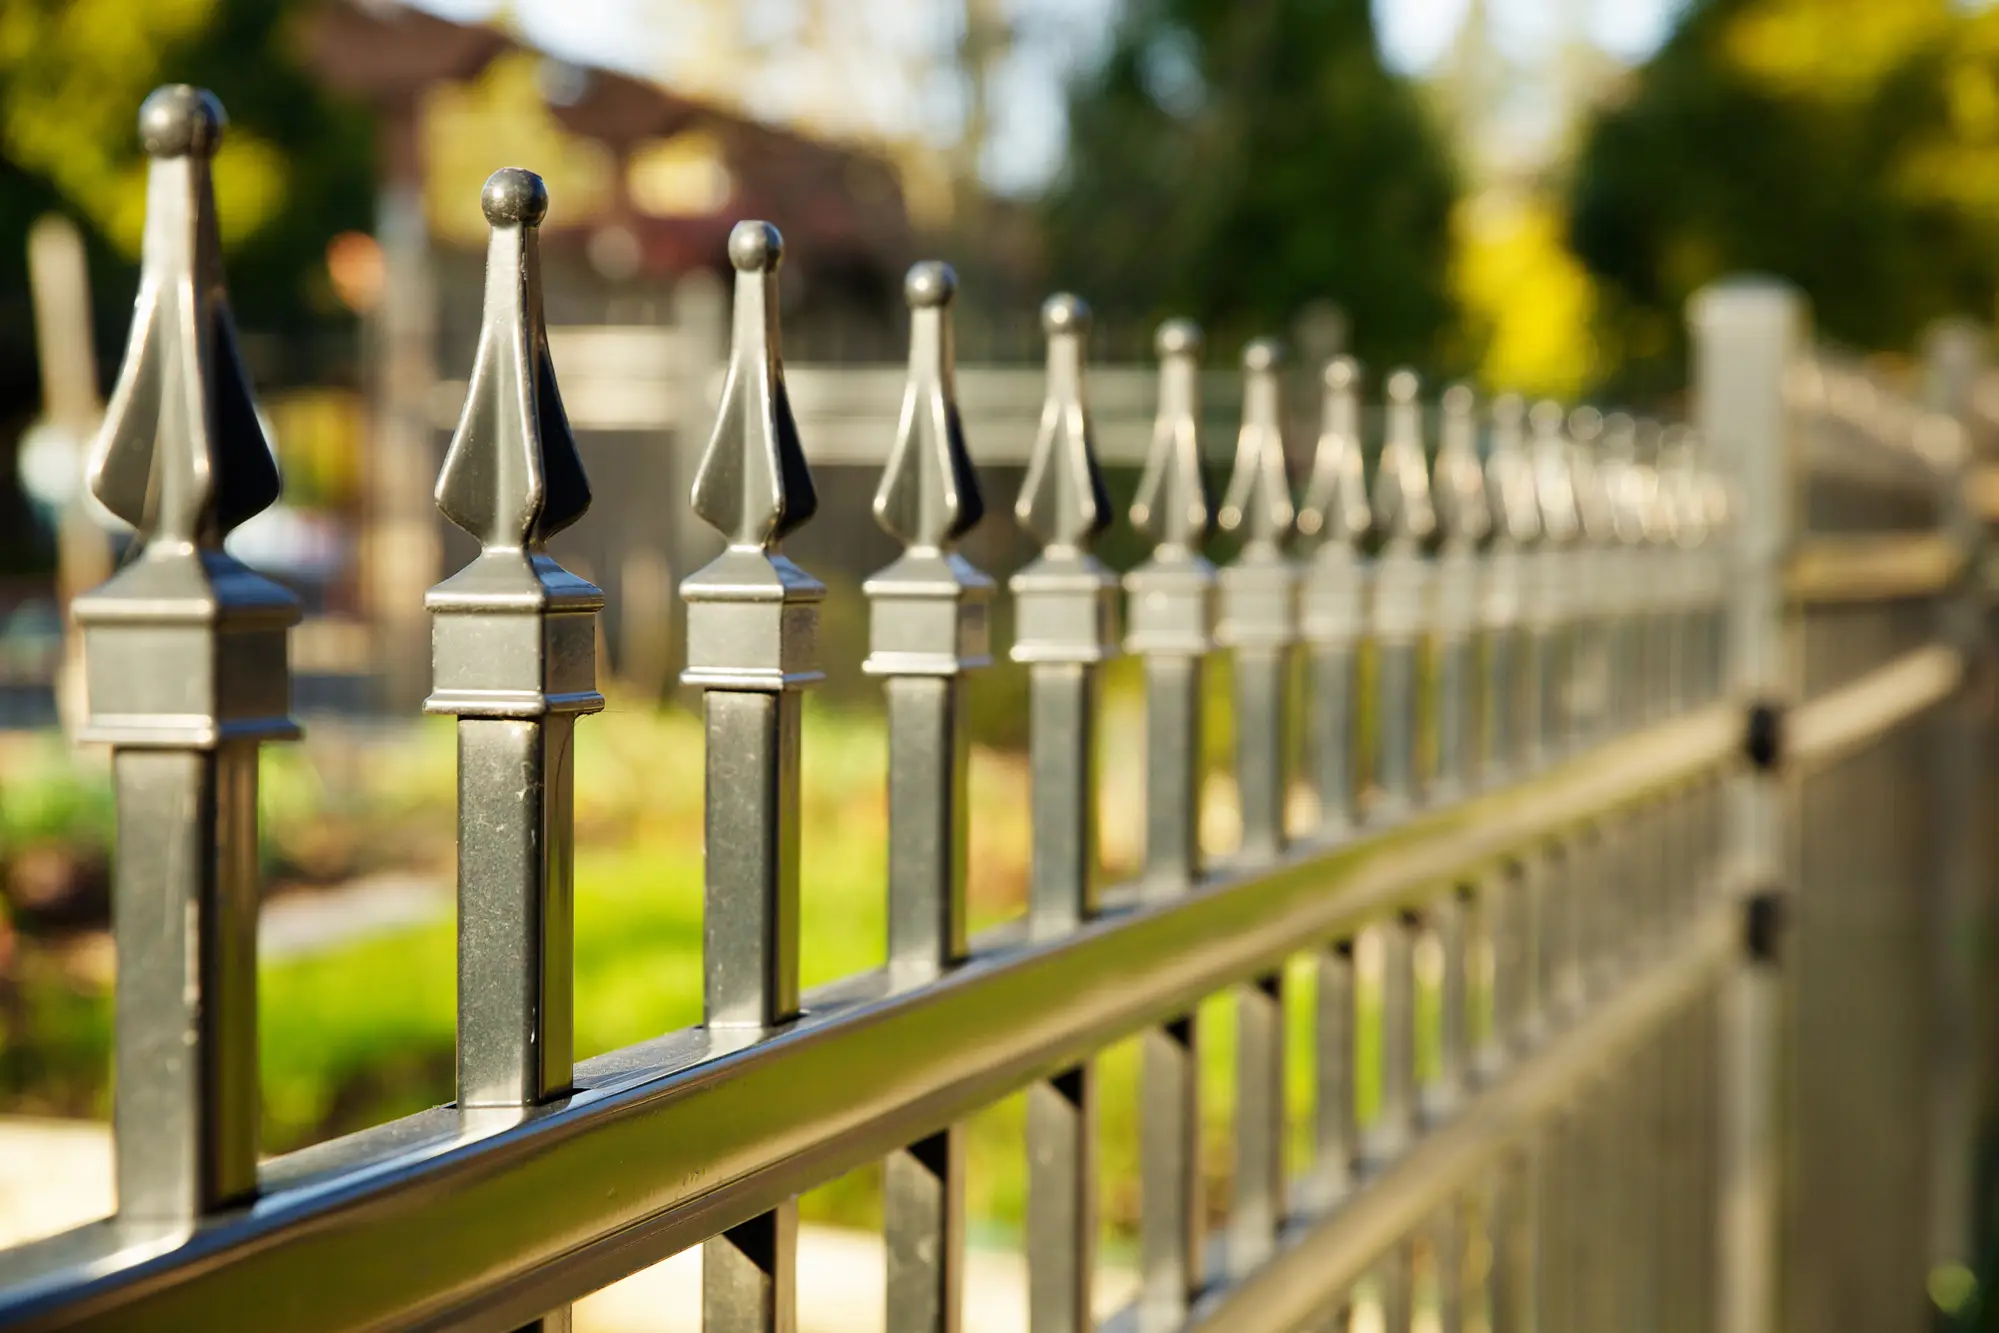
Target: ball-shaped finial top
1262, 355
1065, 313
514, 196
931, 283
1403, 386
179, 119
1509, 409
755, 247
1458, 400
1342, 372
1586, 423
1546, 416
1178, 337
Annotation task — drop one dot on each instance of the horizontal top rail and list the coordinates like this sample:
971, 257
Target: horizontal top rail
668, 1142
1873, 567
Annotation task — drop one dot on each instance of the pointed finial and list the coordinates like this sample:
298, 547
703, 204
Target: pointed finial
1336, 508
1258, 502
512, 477
927, 610
1516, 509
1402, 508
1554, 485
1463, 513
753, 485
180, 454
1062, 499
187, 646
929, 494
1172, 502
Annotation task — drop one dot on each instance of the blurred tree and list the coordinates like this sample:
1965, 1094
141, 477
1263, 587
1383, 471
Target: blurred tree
1235, 159
294, 170
1850, 146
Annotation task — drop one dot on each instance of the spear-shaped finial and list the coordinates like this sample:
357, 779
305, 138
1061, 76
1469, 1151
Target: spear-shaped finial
187, 673
1172, 502
1336, 506
1402, 508
1062, 500
928, 612
1463, 512
512, 477
929, 494
180, 455
1258, 501
1509, 475
1554, 485
752, 618
752, 484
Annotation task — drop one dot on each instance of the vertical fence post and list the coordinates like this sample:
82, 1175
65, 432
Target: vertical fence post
752, 623
186, 652
1745, 336
1332, 519
1960, 922
513, 644
927, 628
513, 649
1509, 479
1259, 621
1464, 521
1066, 613
1407, 521
1171, 614
1550, 601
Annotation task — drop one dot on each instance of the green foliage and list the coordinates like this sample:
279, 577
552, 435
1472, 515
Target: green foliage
1235, 161
295, 167
1790, 137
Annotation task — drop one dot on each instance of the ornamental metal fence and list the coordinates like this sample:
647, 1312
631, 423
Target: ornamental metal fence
1633, 697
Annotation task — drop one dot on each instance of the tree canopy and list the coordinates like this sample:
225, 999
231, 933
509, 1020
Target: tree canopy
1238, 161
1849, 146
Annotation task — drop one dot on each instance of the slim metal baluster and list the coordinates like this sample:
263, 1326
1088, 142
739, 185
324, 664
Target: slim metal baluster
1259, 622
1591, 569
1066, 626
927, 629
1257, 1208
1170, 615
1396, 1117
1681, 481
513, 648
1512, 1284
1259, 604
1516, 526
1336, 1135
1497, 910
752, 623
1448, 921
1624, 569
1332, 519
1660, 544
1464, 521
1407, 521
186, 652
1552, 602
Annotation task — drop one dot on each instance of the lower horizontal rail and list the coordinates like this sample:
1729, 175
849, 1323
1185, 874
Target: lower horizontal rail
1323, 1255
1850, 716
484, 1219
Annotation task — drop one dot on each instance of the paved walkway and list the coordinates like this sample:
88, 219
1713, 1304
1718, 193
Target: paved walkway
56, 1174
